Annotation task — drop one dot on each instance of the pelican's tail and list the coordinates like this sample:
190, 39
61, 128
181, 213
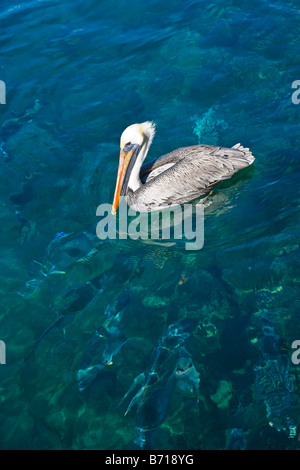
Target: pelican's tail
247, 154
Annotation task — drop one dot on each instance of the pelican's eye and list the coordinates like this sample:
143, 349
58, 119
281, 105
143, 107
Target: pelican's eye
128, 145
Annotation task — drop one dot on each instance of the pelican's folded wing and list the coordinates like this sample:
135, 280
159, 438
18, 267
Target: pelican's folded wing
190, 173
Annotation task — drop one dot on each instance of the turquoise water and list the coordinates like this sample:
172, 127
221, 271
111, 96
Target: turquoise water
77, 73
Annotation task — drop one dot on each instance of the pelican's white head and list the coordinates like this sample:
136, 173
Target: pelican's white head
138, 134
134, 145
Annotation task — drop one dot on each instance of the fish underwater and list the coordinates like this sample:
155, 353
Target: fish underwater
105, 344
172, 366
63, 251
272, 379
79, 298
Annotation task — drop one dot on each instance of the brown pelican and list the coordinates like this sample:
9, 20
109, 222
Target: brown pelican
175, 178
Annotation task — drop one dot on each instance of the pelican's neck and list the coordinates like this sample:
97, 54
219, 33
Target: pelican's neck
135, 182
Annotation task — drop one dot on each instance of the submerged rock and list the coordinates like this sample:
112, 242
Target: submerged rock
223, 395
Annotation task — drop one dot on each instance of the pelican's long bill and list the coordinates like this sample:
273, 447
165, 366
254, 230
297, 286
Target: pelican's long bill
126, 156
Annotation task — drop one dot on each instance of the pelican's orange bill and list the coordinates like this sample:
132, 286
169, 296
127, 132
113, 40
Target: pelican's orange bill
124, 160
